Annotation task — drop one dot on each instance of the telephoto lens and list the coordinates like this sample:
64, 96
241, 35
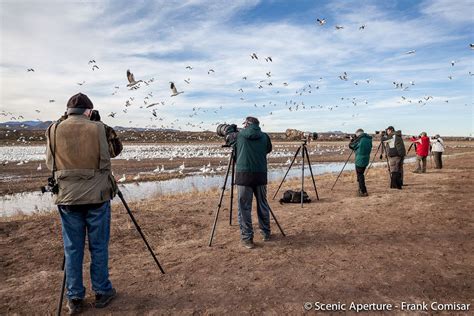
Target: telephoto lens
312, 135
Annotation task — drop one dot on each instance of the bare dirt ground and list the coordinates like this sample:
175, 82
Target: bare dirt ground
412, 245
14, 178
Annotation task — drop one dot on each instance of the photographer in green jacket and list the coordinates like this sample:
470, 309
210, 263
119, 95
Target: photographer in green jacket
362, 146
251, 148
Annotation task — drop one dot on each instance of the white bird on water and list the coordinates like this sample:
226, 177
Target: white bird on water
122, 179
137, 177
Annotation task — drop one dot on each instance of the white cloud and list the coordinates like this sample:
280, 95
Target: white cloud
159, 39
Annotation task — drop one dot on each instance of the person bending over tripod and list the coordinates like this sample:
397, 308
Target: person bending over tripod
422, 151
251, 147
78, 156
395, 151
362, 146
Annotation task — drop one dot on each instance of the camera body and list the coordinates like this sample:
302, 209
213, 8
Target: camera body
52, 186
382, 133
229, 132
310, 135
294, 134
95, 116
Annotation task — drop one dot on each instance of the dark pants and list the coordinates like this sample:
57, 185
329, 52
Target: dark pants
361, 179
245, 210
437, 159
396, 172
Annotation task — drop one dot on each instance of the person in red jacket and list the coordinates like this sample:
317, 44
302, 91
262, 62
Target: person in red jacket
422, 150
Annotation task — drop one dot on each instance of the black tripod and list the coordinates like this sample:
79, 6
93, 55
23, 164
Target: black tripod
231, 169
382, 149
304, 155
347, 160
120, 195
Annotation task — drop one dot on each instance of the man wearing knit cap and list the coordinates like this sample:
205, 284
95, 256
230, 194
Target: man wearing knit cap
78, 155
251, 148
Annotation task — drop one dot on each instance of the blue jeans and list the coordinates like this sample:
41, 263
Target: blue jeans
75, 223
245, 210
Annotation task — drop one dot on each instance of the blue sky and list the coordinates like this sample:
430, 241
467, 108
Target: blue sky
158, 39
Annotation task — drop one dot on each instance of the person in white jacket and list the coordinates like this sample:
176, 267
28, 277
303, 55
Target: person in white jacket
437, 148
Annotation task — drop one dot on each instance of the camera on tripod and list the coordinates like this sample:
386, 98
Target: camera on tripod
310, 136
229, 132
52, 186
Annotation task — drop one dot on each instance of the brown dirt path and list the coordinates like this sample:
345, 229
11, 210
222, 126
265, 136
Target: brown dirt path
412, 245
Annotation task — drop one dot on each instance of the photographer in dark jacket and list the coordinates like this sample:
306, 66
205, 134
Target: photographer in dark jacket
251, 149
395, 150
362, 146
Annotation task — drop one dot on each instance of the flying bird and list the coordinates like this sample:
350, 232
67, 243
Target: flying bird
189, 67
362, 27
112, 114
471, 46
254, 56
95, 67
51, 101
30, 70
321, 21
210, 70
339, 27
92, 61
268, 59
81, 83
174, 91
188, 81
131, 79
410, 52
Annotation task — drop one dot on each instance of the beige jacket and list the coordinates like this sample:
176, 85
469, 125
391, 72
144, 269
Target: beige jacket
83, 167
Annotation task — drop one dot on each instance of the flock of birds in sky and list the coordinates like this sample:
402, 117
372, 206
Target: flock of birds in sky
266, 81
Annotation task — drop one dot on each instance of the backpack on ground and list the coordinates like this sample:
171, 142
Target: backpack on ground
291, 196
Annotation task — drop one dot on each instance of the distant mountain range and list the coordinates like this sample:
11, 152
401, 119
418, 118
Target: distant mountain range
40, 125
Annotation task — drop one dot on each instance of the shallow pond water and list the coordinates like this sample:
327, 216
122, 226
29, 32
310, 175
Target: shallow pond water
31, 202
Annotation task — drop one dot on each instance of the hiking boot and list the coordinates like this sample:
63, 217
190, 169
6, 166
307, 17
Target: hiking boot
362, 194
248, 243
266, 237
102, 300
74, 306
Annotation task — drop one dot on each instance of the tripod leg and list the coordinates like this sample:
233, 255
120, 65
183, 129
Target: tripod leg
279, 227
232, 180
61, 297
220, 203
302, 173
296, 154
373, 159
342, 169
311, 172
119, 193
386, 157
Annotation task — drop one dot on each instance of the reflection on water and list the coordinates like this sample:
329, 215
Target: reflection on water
31, 202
